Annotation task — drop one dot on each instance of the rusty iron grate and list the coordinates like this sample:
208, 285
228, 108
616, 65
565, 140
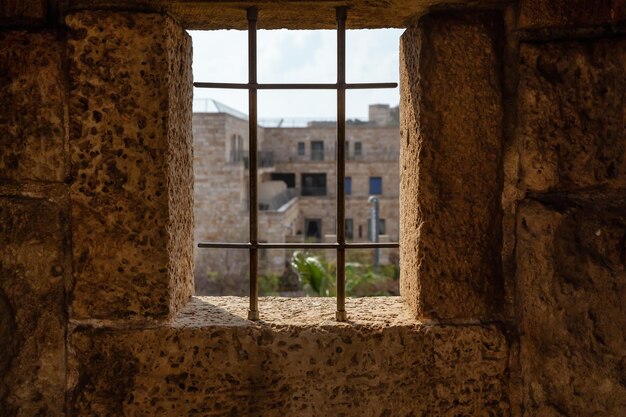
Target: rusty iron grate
340, 86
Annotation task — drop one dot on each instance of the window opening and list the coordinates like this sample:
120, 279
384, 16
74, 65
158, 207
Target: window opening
313, 228
301, 148
317, 150
358, 149
376, 185
253, 86
313, 184
288, 178
349, 229
348, 185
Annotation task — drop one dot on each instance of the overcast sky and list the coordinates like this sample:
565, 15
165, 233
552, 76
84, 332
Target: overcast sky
297, 56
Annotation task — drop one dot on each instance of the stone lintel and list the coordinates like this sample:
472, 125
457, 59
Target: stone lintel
131, 157
558, 14
451, 166
316, 14
23, 12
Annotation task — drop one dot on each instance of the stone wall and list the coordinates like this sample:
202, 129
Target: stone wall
512, 149
35, 250
569, 186
379, 144
220, 194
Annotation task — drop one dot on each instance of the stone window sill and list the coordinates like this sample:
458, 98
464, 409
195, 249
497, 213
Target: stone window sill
296, 361
371, 312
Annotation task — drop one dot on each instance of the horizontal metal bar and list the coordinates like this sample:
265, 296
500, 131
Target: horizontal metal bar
365, 86
335, 86
365, 245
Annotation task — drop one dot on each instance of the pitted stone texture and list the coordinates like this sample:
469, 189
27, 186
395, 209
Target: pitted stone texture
130, 142
451, 166
33, 121
297, 361
569, 13
34, 273
571, 115
571, 286
318, 14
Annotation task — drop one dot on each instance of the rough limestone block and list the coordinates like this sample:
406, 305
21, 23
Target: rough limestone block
569, 13
35, 270
23, 11
298, 361
571, 115
130, 143
571, 287
33, 121
451, 121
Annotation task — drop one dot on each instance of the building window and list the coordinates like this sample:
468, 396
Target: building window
286, 177
313, 184
300, 148
349, 229
310, 182
236, 148
347, 150
358, 149
313, 229
348, 186
381, 228
317, 150
376, 185
360, 231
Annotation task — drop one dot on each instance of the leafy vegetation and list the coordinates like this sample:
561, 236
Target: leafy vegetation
309, 274
318, 276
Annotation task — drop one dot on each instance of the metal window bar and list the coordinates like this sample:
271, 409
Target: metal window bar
340, 86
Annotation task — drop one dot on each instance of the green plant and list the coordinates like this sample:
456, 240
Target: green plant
314, 275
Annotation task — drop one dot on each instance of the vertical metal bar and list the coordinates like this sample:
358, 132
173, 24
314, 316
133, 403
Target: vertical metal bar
253, 312
341, 163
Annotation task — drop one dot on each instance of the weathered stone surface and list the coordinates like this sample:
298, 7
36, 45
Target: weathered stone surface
451, 166
130, 143
33, 121
34, 273
571, 286
23, 11
297, 361
569, 13
571, 115
318, 14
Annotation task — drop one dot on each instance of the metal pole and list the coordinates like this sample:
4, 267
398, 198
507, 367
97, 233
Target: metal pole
341, 163
253, 312
374, 219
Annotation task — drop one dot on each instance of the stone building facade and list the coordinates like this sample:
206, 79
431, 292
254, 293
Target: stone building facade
512, 200
297, 185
